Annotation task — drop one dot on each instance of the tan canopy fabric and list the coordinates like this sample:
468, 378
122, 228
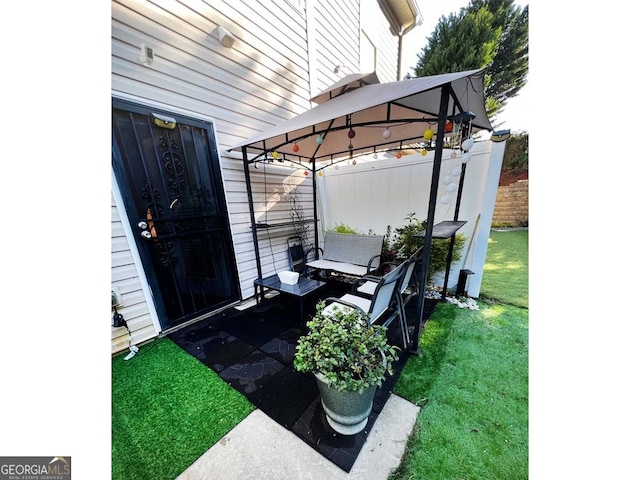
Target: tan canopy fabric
407, 108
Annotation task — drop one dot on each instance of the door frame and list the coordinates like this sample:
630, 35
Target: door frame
130, 234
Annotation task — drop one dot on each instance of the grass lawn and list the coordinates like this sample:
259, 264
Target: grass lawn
471, 380
167, 410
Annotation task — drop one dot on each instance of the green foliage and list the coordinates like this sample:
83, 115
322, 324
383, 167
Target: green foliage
516, 153
342, 346
491, 34
406, 244
343, 228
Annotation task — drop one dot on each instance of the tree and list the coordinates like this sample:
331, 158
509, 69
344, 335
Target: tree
491, 34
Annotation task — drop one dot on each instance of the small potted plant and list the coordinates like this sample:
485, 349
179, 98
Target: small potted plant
349, 359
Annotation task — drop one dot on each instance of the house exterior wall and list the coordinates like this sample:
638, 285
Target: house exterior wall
284, 53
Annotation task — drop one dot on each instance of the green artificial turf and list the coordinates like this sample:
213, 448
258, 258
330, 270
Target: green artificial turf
471, 382
167, 410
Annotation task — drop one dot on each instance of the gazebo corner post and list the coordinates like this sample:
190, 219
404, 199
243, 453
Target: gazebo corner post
254, 230
316, 243
433, 196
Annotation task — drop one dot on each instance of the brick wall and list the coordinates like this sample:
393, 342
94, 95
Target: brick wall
512, 204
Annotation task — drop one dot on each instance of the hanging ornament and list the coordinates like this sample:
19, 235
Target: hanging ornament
295, 147
351, 133
448, 127
399, 155
456, 171
275, 154
387, 133
306, 172
466, 156
445, 199
423, 152
428, 134
375, 156
354, 162
320, 173
452, 187
319, 139
467, 144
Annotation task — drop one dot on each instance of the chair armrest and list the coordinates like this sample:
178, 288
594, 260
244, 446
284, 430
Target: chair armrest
370, 262
311, 249
343, 302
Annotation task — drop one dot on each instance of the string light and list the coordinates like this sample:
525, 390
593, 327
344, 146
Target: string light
387, 133
319, 139
295, 147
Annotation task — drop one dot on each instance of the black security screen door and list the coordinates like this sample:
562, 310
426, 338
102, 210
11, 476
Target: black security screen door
168, 172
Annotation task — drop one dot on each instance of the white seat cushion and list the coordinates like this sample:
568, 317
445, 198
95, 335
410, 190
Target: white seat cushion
361, 302
348, 268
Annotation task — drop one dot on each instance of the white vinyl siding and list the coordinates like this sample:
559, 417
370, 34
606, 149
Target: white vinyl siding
261, 81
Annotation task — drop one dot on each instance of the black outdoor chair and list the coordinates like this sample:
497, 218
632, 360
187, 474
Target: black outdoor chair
405, 291
378, 304
297, 256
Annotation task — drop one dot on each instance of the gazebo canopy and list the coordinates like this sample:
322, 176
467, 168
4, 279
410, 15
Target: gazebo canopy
358, 116
407, 108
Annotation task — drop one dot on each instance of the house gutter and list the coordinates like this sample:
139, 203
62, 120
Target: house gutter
403, 16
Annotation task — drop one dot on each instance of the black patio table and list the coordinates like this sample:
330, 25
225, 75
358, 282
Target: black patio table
301, 290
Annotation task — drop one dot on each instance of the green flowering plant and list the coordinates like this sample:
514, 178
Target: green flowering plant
343, 348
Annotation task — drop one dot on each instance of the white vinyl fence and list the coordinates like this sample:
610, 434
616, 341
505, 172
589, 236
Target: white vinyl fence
369, 196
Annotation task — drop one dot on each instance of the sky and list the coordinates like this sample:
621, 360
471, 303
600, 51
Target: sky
515, 115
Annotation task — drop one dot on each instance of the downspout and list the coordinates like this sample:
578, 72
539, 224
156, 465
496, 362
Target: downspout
417, 20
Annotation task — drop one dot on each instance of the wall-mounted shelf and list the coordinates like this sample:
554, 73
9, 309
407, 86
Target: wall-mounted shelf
444, 229
269, 226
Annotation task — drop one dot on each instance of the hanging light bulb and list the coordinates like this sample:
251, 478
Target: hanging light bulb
320, 173
375, 155
387, 133
295, 147
399, 155
423, 152
351, 133
319, 139
336, 166
428, 134
453, 154
354, 162
275, 154
448, 127
306, 172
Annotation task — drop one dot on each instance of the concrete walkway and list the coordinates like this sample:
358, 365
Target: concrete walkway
258, 447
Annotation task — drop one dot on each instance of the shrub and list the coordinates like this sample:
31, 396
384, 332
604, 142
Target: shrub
350, 354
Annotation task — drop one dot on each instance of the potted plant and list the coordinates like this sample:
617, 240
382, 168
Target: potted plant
349, 359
